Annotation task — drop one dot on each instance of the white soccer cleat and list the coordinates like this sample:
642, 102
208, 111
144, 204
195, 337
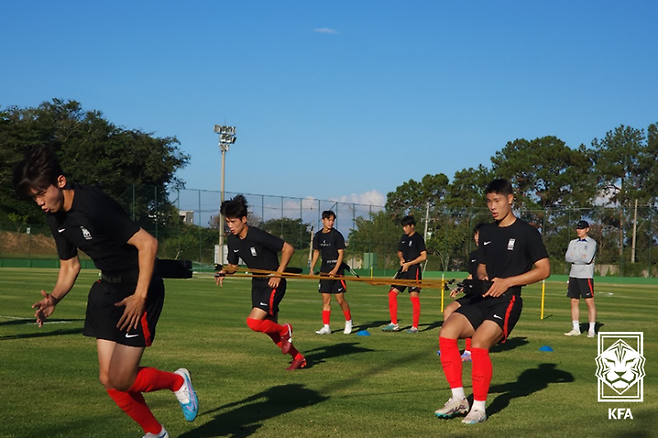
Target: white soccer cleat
348, 327
591, 334
573, 333
453, 407
324, 331
163, 434
474, 417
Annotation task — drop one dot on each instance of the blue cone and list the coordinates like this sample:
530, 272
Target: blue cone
545, 348
363, 333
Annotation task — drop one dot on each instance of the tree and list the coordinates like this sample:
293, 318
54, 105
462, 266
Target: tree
293, 231
412, 197
378, 234
92, 151
545, 172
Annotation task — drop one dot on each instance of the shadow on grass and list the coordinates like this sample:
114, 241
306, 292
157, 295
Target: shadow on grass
243, 418
369, 325
510, 344
529, 381
42, 333
318, 355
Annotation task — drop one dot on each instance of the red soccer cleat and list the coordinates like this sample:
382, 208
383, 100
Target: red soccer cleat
297, 364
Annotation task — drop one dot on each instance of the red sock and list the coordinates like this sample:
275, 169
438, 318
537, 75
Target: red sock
468, 344
482, 372
276, 338
451, 362
393, 306
415, 305
150, 379
133, 404
266, 326
326, 317
348, 315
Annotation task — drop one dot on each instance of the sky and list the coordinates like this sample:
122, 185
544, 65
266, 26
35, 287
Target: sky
338, 100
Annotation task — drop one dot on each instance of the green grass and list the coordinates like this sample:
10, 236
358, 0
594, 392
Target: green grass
383, 385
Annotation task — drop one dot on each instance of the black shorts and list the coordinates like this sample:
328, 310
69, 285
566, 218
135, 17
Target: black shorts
103, 316
265, 298
332, 286
504, 311
413, 273
580, 287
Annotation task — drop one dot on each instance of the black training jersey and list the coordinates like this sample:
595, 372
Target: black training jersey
510, 251
473, 263
258, 250
411, 246
97, 225
328, 244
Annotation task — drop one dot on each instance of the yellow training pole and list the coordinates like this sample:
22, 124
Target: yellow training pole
442, 289
543, 291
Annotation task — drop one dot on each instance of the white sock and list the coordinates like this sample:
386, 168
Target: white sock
576, 325
592, 326
479, 405
458, 393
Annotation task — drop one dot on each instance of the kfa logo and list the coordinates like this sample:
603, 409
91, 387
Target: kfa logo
620, 367
85, 233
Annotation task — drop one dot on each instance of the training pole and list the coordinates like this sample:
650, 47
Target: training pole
442, 289
543, 291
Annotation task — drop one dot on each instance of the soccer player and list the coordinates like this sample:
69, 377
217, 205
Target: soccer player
411, 252
330, 243
472, 273
581, 254
124, 305
508, 250
258, 250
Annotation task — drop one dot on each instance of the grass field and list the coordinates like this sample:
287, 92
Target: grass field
382, 385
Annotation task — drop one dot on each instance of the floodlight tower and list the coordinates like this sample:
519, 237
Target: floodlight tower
226, 139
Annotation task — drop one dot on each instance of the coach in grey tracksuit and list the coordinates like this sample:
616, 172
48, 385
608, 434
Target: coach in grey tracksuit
581, 254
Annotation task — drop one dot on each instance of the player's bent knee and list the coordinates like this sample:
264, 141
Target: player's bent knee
254, 324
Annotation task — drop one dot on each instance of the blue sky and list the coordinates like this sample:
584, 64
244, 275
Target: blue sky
340, 100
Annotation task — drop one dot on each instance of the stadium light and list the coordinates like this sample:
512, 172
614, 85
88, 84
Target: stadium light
226, 139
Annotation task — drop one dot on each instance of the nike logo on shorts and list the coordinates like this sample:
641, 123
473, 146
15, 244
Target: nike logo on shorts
61, 230
128, 336
498, 317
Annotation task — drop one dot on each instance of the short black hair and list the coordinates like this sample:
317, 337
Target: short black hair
328, 214
38, 170
408, 220
500, 186
234, 208
476, 229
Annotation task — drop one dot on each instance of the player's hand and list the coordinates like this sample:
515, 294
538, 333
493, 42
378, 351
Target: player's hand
45, 307
132, 313
274, 282
499, 287
332, 273
455, 292
405, 267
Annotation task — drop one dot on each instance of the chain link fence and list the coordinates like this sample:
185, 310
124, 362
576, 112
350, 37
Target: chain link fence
185, 222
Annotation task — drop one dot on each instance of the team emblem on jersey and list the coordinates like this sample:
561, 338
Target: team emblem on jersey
253, 251
620, 367
510, 244
410, 242
85, 233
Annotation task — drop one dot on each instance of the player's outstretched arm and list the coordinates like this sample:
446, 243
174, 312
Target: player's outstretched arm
68, 273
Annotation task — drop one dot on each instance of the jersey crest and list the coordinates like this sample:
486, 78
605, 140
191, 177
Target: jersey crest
85, 233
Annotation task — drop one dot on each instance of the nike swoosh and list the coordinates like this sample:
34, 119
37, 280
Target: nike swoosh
496, 316
236, 250
61, 230
131, 336
263, 304
487, 243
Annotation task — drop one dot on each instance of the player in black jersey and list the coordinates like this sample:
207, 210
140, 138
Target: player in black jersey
507, 252
329, 243
472, 273
258, 250
411, 252
124, 305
